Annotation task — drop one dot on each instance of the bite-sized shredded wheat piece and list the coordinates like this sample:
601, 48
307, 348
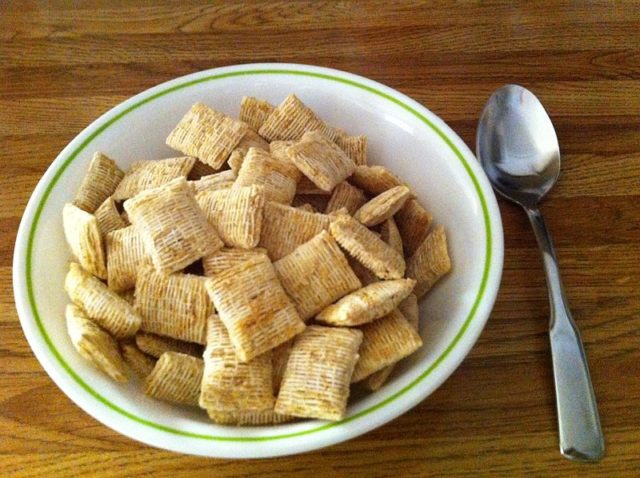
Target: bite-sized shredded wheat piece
254, 111
355, 147
430, 261
156, 345
383, 206
236, 213
94, 344
101, 304
316, 274
175, 378
149, 174
125, 256
321, 160
226, 258
376, 380
174, 229
229, 385
375, 180
365, 275
409, 308
284, 228
100, 182
84, 239
251, 139
316, 379
306, 186
390, 234
279, 359
254, 307
141, 363
413, 223
108, 217
268, 417
214, 182
384, 342
279, 178
347, 196
236, 159
367, 304
278, 149
207, 134
290, 120
367, 248
173, 305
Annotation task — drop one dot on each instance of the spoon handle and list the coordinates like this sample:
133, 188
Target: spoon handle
581, 437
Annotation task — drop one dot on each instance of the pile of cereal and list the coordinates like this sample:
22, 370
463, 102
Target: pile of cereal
258, 276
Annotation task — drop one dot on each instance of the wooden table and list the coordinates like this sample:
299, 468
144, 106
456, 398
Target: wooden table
62, 66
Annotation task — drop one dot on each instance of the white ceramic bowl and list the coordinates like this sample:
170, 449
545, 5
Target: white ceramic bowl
403, 135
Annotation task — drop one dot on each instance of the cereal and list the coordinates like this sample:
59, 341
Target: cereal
207, 134
316, 274
390, 234
383, 206
214, 182
430, 261
174, 230
94, 344
413, 223
175, 378
100, 182
226, 258
84, 239
174, 305
143, 175
367, 304
285, 228
108, 217
101, 304
229, 385
384, 342
236, 213
254, 307
156, 345
367, 248
321, 160
141, 363
279, 178
347, 196
254, 111
355, 147
290, 120
125, 256
316, 379
268, 221
374, 180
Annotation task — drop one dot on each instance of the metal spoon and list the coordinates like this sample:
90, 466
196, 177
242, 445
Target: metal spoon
519, 151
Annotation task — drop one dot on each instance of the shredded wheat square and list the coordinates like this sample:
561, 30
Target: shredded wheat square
174, 229
254, 307
316, 379
316, 274
207, 134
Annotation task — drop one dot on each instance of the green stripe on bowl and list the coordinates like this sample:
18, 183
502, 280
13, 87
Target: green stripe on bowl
74, 154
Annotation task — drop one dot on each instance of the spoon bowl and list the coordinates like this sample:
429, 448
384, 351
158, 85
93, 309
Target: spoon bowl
517, 145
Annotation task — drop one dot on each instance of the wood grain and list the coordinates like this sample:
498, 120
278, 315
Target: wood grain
64, 63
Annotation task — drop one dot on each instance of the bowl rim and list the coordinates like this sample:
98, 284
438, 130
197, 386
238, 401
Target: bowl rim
265, 445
